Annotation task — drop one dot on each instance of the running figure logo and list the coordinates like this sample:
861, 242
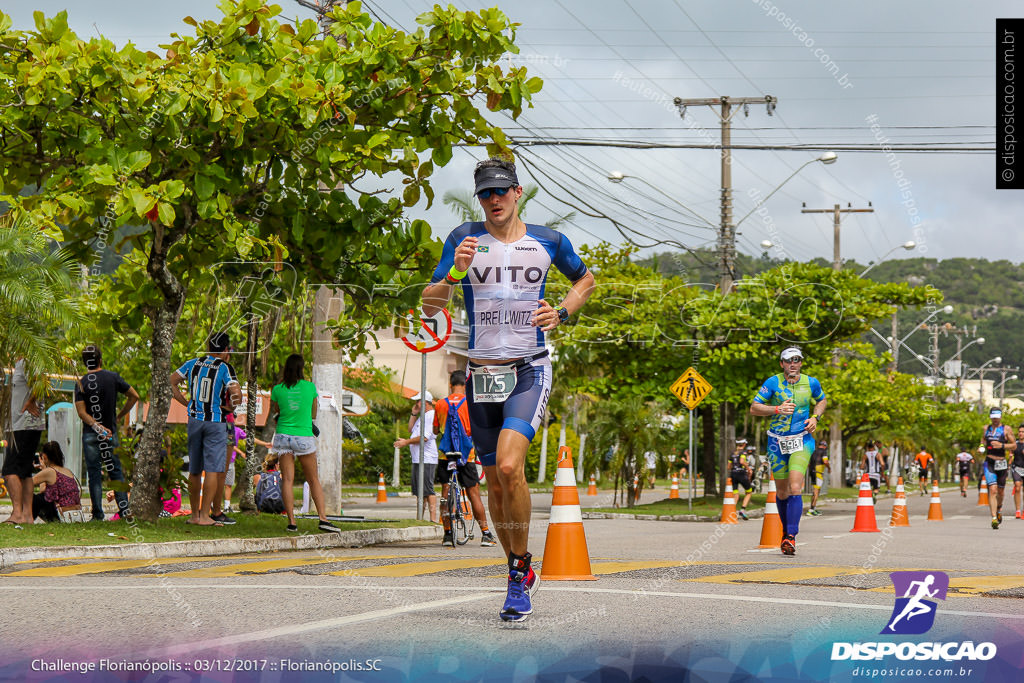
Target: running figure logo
914, 613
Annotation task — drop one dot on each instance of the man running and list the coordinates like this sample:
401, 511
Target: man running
456, 438
795, 402
1018, 471
874, 464
739, 472
502, 265
963, 463
996, 439
924, 462
819, 465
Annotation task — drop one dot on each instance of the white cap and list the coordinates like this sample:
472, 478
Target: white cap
995, 412
417, 397
791, 352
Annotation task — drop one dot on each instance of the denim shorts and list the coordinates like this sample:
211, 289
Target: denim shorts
298, 445
207, 446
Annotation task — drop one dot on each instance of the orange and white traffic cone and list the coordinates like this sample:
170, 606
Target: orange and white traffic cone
674, 490
382, 490
935, 508
636, 488
592, 489
983, 493
771, 527
899, 506
865, 518
729, 505
566, 557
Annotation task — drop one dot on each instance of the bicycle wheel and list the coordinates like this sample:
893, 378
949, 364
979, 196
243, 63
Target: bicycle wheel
451, 504
459, 530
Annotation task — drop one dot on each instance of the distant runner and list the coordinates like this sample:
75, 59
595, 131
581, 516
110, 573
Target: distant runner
996, 439
963, 463
795, 402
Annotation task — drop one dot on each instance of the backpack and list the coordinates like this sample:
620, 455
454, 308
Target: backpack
455, 437
268, 493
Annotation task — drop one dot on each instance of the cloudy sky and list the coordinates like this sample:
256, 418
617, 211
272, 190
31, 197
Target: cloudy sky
922, 72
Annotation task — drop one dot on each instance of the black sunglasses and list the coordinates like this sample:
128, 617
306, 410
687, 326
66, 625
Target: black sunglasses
794, 360
500, 191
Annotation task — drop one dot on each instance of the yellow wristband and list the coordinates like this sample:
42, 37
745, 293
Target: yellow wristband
457, 274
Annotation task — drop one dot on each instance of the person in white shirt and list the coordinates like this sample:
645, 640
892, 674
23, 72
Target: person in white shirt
429, 453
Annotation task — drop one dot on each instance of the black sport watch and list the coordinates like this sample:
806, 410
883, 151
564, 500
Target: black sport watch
563, 315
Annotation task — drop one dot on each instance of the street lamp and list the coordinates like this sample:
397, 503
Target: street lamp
906, 245
960, 371
947, 309
981, 380
618, 176
826, 158
1000, 389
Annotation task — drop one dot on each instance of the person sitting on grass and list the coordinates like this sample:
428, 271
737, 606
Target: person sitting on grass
267, 487
57, 484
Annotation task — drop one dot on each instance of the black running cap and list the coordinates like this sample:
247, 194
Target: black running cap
494, 177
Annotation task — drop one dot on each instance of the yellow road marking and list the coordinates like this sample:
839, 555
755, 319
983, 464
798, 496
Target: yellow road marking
984, 584
599, 568
264, 566
778, 575
100, 567
419, 568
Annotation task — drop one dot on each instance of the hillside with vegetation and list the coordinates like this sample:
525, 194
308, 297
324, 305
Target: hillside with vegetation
986, 295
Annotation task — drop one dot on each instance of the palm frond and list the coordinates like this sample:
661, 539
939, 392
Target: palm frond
464, 205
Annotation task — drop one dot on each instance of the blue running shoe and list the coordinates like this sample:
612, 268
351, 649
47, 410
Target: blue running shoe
517, 604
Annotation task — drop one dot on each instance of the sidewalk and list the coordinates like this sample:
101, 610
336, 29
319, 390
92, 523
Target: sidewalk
227, 546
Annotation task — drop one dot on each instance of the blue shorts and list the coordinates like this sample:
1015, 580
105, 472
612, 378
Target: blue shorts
207, 446
522, 411
994, 476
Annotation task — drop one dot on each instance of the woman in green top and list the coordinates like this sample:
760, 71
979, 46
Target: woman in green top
295, 401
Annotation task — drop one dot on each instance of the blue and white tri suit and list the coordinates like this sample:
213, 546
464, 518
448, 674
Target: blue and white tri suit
501, 291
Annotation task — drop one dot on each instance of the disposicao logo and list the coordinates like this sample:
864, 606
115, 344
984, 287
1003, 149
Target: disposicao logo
913, 614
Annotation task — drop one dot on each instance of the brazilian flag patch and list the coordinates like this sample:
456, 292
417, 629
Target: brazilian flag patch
483, 249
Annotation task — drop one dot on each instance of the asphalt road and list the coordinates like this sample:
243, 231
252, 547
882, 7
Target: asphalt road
669, 596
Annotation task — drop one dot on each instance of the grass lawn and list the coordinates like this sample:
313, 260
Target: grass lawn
168, 529
704, 506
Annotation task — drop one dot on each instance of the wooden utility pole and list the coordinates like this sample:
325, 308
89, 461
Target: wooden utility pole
727, 231
835, 435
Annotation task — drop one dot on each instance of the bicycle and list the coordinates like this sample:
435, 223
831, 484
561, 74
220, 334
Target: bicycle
456, 503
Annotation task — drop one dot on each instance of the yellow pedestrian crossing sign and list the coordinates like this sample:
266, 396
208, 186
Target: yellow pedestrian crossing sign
690, 388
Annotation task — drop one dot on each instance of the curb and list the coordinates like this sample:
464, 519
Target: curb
229, 546
753, 514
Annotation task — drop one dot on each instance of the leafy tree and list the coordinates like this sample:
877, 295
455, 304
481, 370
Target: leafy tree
247, 140
38, 298
632, 427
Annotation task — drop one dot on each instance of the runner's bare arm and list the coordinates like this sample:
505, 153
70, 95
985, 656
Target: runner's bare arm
436, 295
546, 317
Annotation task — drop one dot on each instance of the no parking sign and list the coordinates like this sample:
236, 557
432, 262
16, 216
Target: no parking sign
428, 333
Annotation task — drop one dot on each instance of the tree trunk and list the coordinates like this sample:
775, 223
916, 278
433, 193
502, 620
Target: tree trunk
247, 502
707, 414
145, 497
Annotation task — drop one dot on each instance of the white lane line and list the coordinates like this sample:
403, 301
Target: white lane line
548, 588
837, 536
178, 650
